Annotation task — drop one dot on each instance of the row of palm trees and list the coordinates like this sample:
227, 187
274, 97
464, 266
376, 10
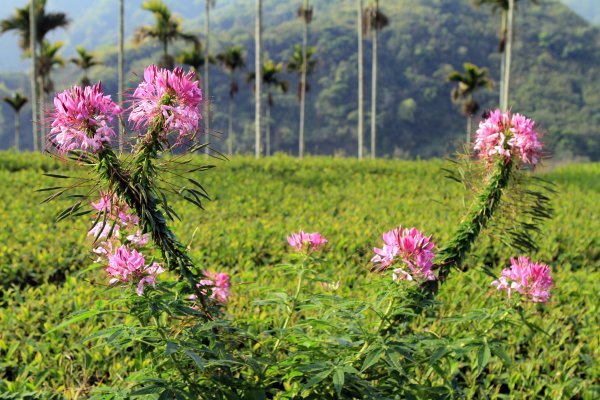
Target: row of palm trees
168, 28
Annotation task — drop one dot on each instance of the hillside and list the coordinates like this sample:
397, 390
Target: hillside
554, 80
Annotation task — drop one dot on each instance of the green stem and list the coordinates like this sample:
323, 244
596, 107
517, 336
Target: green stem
292, 308
385, 317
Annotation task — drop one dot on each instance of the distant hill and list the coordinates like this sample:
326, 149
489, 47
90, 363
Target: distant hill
555, 77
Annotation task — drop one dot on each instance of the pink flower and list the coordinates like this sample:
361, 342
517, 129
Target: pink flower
81, 119
219, 284
411, 247
302, 240
126, 265
117, 216
508, 136
526, 277
172, 97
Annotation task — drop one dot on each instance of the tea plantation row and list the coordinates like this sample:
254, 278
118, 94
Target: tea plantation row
242, 232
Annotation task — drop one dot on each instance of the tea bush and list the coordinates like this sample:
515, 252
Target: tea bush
243, 232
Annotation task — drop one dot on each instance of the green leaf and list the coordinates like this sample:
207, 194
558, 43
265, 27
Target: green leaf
197, 359
371, 359
503, 356
317, 378
483, 357
77, 318
171, 348
338, 381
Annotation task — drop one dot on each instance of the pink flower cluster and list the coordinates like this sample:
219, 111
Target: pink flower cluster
310, 241
115, 215
531, 279
172, 96
126, 265
508, 135
411, 247
219, 284
81, 119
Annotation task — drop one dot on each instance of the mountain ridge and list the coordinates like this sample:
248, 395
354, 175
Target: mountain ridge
554, 78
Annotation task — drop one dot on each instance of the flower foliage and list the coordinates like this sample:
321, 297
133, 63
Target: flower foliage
82, 118
306, 241
169, 98
412, 248
531, 279
508, 136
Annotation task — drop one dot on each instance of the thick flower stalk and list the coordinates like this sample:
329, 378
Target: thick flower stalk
82, 118
166, 102
531, 279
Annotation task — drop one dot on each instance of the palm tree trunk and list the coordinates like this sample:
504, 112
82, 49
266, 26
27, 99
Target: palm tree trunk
303, 82
268, 130
258, 79
34, 62
469, 127
230, 122
166, 53
509, 40
42, 113
374, 91
121, 68
502, 58
206, 62
360, 126
17, 130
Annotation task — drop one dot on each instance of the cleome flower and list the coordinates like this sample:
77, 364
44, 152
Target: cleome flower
219, 284
115, 216
127, 266
531, 279
412, 248
508, 136
82, 118
310, 241
168, 98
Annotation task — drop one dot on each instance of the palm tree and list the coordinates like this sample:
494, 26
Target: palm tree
360, 126
166, 30
258, 82
207, 5
85, 61
232, 60
302, 63
48, 59
374, 20
507, 8
121, 67
32, 32
193, 58
271, 80
468, 82
305, 12
16, 101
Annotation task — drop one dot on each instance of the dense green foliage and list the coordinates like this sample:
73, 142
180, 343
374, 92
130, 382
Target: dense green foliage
555, 78
243, 232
